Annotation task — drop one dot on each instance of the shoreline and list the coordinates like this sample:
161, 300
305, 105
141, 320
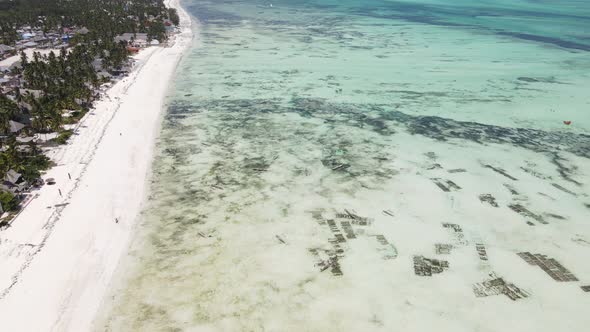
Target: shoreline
60, 254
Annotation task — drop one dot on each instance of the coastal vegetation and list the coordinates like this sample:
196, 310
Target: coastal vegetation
42, 93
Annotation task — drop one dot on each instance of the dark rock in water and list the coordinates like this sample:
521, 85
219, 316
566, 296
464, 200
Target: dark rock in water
540, 80
511, 189
564, 171
501, 171
555, 216
378, 125
528, 79
442, 187
453, 185
545, 195
488, 198
457, 170
431, 155
563, 189
525, 212
307, 40
434, 166
258, 164
535, 173
335, 164
446, 185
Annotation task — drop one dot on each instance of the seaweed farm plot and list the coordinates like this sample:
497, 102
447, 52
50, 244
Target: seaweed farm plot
481, 251
550, 265
446, 185
426, 267
497, 286
387, 250
520, 209
443, 248
327, 259
346, 228
456, 232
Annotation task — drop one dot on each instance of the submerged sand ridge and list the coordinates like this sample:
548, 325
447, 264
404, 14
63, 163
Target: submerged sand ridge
320, 170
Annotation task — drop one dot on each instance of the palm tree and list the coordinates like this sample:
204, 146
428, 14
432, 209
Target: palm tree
8, 110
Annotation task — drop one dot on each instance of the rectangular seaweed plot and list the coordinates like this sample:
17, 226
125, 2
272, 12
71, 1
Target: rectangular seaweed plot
387, 250
457, 233
501, 171
327, 259
445, 185
337, 234
347, 227
443, 248
318, 217
481, 251
354, 218
551, 266
426, 267
497, 286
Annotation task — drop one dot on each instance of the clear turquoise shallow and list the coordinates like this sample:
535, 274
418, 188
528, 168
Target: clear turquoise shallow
516, 64
285, 108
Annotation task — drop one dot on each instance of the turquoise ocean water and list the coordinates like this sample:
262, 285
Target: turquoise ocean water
312, 150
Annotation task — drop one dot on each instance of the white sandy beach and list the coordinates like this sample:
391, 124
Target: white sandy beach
58, 256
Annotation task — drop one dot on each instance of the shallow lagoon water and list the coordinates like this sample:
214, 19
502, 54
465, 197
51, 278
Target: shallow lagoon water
313, 149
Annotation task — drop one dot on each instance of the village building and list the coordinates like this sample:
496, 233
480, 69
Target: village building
6, 51
27, 35
29, 44
135, 40
35, 93
83, 31
15, 127
12, 177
